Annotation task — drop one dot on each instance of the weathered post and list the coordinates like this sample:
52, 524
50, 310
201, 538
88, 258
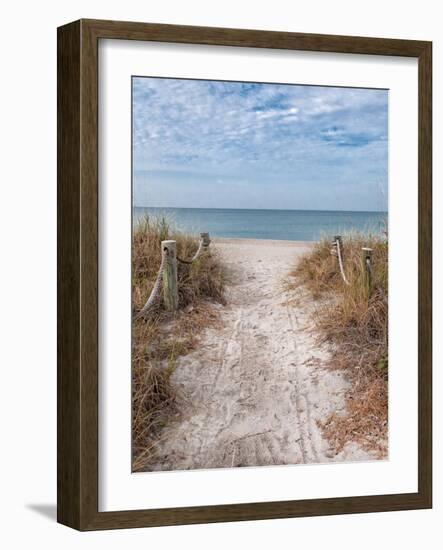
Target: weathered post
206, 240
334, 247
367, 267
339, 243
170, 290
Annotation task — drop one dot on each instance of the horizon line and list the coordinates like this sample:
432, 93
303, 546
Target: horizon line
265, 209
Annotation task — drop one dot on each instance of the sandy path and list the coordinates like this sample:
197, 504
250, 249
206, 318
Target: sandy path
255, 388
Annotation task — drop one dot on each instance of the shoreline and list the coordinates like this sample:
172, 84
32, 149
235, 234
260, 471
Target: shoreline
261, 242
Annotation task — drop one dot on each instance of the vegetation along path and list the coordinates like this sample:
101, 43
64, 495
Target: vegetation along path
255, 389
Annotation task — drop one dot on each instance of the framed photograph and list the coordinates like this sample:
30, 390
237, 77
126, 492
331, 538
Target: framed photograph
244, 274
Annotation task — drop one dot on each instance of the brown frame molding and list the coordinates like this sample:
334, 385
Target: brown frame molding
77, 319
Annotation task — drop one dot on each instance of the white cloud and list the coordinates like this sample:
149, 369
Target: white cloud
286, 133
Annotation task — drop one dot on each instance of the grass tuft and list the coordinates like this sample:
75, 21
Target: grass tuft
161, 337
354, 320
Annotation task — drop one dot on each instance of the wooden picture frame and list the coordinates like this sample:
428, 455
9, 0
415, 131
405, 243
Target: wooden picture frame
78, 273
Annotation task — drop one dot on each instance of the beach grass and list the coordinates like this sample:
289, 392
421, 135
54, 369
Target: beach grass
353, 318
160, 337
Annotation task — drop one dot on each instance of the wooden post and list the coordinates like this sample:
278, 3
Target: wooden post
170, 290
206, 240
367, 268
334, 251
340, 243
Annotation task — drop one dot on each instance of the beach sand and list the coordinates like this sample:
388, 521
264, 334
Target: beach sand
257, 386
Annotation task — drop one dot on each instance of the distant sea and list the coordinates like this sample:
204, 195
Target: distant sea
292, 225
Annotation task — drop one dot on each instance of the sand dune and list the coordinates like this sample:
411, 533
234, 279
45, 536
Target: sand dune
257, 386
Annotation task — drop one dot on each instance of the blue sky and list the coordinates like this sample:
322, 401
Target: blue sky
211, 144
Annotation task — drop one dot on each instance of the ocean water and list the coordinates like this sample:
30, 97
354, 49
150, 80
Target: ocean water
292, 225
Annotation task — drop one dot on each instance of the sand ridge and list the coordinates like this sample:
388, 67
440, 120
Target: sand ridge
256, 388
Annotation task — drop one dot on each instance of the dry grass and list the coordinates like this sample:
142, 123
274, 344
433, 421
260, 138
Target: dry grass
354, 319
161, 337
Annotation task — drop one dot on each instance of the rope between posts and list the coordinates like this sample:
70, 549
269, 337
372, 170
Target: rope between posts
155, 289
196, 255
340, 261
